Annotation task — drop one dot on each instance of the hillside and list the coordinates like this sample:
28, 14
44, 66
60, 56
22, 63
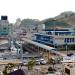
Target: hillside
54, 23
27, 22
68, 17
65, 19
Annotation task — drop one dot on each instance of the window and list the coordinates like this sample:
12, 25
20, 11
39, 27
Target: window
68, 40
65, 40
4, 28
72, 39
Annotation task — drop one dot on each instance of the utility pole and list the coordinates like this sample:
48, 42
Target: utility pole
21, 50
54, 30
66, 49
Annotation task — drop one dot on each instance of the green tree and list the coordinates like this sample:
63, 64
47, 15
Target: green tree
51, 70
8, 68
30, 64
43, 71
5, 71
51, 62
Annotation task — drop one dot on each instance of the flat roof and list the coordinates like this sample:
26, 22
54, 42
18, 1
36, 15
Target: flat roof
43, 46
39, 44
56, 29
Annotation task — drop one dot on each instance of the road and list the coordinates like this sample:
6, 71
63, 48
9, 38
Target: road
3, 42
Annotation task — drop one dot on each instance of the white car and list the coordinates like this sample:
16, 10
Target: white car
15, 69
25, 62
42, 61
37, 62
26, 52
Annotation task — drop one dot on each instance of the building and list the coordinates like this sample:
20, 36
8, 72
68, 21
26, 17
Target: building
60, 38
4, 26
4, 33
68, 67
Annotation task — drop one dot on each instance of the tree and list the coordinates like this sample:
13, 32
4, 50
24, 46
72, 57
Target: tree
8, 68
43, 71
51, 61
30, 64
5, 71
28, 22
51, 70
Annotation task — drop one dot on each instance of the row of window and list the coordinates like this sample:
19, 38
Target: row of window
61, 33
43, 38
69, 40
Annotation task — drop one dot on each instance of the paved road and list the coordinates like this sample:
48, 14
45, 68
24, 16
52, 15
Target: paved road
3, 42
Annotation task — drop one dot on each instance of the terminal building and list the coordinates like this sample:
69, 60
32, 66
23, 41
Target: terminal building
59, 38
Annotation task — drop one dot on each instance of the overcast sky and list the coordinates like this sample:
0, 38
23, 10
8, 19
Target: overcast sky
35, 9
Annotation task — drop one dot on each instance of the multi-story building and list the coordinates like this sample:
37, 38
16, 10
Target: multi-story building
4, 33
4, 26
68, 68
60, 38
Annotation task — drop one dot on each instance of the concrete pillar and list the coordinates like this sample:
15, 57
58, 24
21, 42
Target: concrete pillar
38, 50
48, 55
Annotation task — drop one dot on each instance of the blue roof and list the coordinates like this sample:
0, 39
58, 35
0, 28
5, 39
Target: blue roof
56, 30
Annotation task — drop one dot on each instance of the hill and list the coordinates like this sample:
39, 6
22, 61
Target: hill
68, 17
65, 19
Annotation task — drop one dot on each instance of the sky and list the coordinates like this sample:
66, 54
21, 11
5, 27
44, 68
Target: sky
34, 9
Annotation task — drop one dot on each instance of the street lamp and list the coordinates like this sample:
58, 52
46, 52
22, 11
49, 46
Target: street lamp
49, 55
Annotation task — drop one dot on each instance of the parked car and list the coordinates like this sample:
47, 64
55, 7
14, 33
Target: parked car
37, 62
25, 62
26, 52
15, 69
43, 62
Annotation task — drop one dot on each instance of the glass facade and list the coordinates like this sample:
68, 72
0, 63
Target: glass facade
4, 27
44, 39
60, 32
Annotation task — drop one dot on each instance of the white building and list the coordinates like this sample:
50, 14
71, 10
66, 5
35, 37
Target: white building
69, 68
57, 37
4, 26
